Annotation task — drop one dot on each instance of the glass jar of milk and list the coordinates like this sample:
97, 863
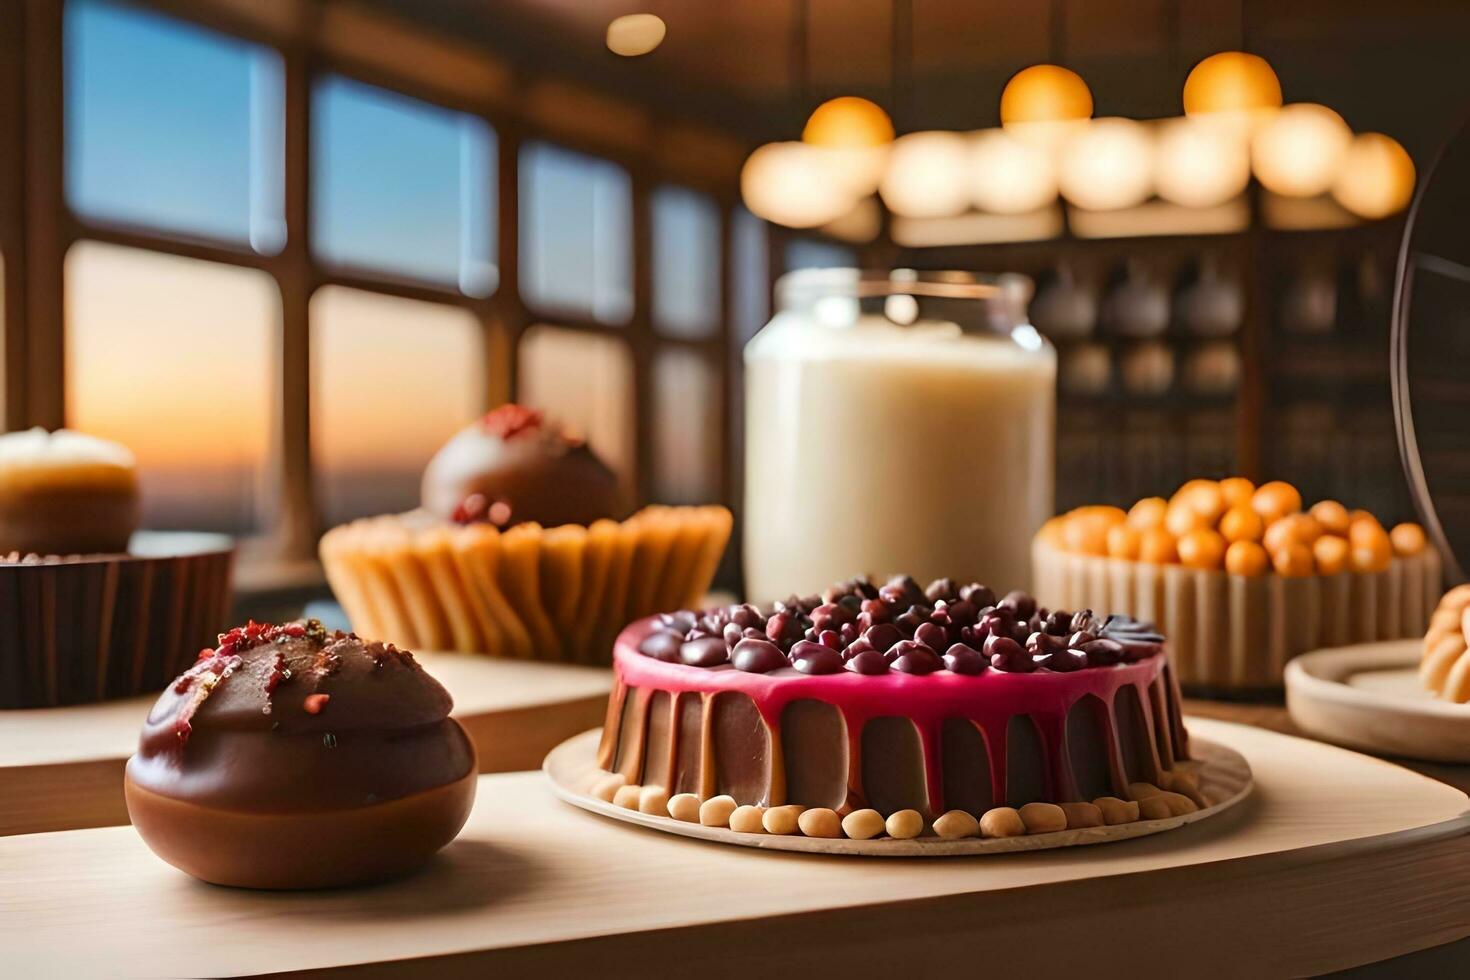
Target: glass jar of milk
896, 423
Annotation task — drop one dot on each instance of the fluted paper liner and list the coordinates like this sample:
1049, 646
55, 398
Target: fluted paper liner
90, 628
528, 592
1234, 632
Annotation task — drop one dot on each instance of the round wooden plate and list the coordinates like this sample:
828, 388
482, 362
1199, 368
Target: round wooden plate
1369, 697
1225, 780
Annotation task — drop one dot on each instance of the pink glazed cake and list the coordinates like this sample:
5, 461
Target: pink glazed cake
896, 699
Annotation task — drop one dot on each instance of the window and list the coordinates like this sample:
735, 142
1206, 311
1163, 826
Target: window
687, 436
686, 262
391, 380
576, 234
585, 381
175, 358
172, 127
750, 274
403, 187
814, 253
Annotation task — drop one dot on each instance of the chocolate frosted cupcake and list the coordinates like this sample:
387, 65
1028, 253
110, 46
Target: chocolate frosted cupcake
521, 549
90, 607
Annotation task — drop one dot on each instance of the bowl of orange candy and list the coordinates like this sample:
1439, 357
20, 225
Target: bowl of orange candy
1241, 578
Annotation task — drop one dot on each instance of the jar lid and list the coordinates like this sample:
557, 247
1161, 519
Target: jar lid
1430, 352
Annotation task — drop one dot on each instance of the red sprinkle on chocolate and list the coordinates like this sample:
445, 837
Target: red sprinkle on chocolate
511, 420
314, 703
500, 513
278, 673
470, 509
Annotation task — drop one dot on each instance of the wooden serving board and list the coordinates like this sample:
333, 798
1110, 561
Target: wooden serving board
1335, 860
62, 768
1369, 697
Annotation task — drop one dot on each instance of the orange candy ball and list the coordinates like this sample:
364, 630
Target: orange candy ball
1291, 529
1240, 523
1204, 497
1148, 513
1331, 554
1275, 500
1237, 491
1202, 548
1156, 545
1332, 515
1123, 542
1407, 539
1292, 561
1182, 518
1245, 558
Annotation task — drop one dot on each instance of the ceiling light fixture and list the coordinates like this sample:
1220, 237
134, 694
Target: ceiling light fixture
633, 35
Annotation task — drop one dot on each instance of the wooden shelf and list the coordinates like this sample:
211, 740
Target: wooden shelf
61, 768
1337, 860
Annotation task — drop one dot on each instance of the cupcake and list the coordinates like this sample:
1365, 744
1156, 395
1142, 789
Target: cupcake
91, 608
65, 493
293, 757
521, 548
1241, 578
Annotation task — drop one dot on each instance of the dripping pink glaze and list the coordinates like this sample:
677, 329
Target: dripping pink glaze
988, 699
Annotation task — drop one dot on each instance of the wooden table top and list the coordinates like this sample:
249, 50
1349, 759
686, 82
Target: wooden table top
1294, 881
1274, 717
61, 768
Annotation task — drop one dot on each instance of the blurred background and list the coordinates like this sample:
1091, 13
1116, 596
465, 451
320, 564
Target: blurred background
284, 248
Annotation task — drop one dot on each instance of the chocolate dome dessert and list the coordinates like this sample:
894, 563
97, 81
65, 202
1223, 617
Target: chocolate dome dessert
291, 757
511, 467
521, 549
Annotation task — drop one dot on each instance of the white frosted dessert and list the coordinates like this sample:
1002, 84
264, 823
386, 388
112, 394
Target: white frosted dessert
65, 493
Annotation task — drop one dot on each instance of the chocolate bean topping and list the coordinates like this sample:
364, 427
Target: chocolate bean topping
932, 636
883, 636
1102, 653
757, 656
901, 627
941, 588
1008, 655
813, 658
663, 645
1064, 661
980, 595
868, 662
962, 612
915, 658
963, 659
1022, 604
709, 651
747, 616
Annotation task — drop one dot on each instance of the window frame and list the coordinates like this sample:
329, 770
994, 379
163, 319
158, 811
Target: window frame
38, 231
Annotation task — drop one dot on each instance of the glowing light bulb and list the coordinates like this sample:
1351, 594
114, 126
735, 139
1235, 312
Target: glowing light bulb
1199, 164
1107, 166
1231, 81
1045, 93
848, 121
789, 184
1299, 151
635, 34
1376, 178
927, 175
1009, 175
